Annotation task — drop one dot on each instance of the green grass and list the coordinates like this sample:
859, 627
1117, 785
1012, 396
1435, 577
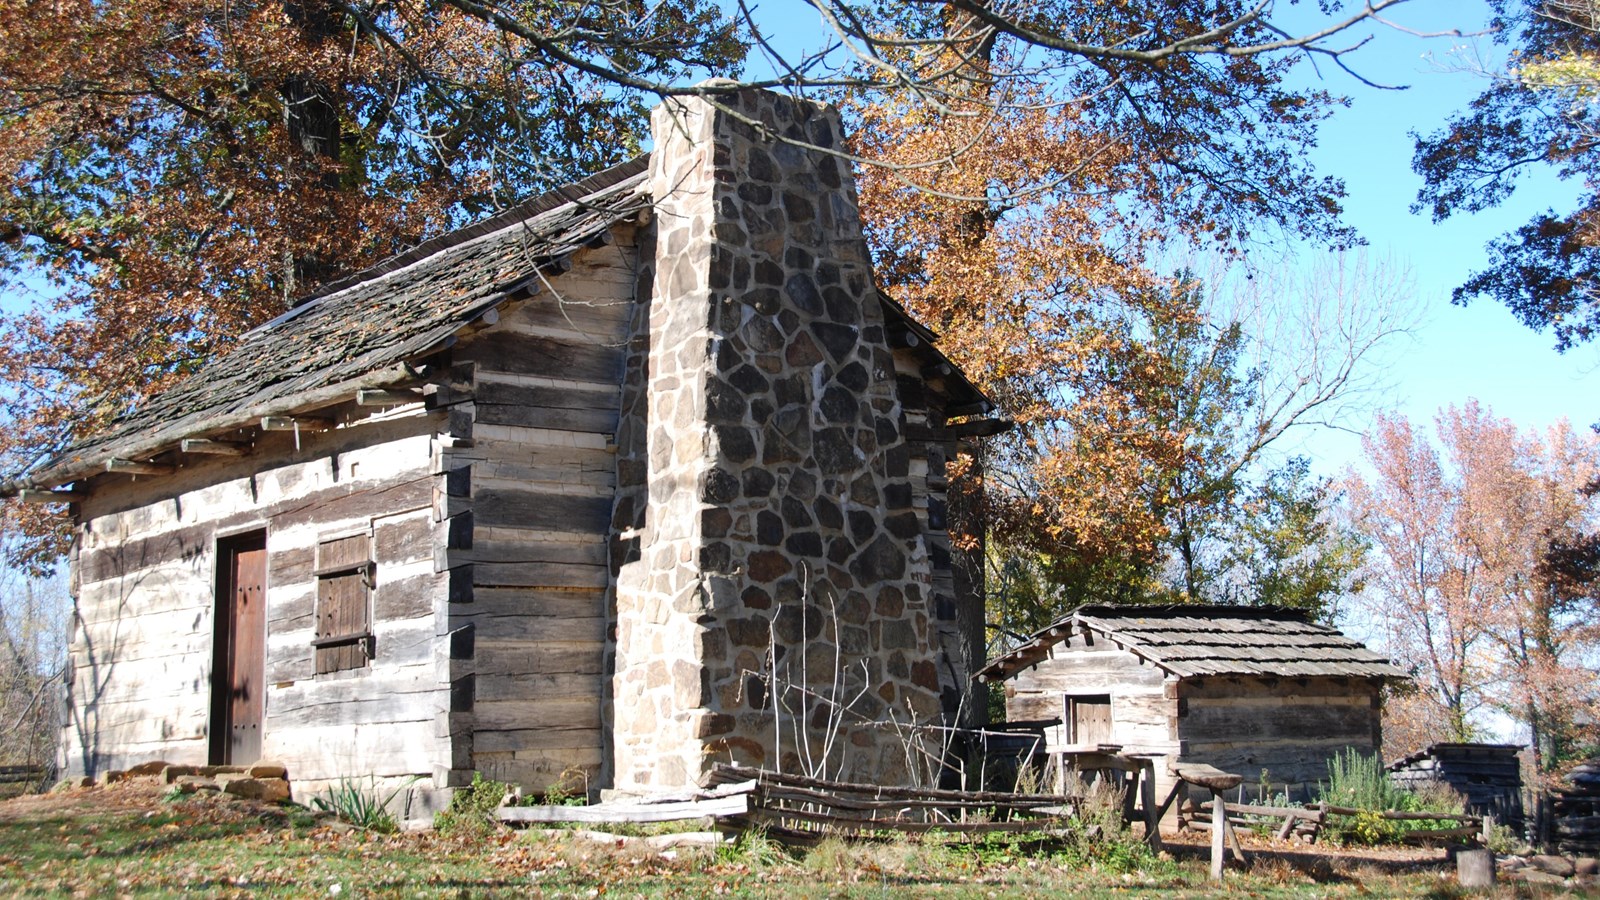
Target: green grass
98, 844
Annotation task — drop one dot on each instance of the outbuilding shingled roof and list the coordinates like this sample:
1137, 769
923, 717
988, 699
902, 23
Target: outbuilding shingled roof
1193, 641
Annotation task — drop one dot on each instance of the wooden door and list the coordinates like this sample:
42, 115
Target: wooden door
238, 701
1090, 718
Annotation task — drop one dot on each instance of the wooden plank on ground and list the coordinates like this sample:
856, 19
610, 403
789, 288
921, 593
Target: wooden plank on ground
715, 807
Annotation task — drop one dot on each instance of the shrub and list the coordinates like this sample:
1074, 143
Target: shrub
471, 812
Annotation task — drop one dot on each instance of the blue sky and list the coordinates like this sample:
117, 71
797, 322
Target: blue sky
1480, 350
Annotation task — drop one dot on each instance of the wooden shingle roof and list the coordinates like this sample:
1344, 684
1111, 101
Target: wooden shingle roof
1195, 641
366, 330
362, 331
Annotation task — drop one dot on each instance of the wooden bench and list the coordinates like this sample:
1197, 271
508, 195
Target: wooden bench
1216, 781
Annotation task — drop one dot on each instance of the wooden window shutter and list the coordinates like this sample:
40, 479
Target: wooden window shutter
344, 622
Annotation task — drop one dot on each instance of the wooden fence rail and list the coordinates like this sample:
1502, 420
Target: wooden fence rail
1308, 821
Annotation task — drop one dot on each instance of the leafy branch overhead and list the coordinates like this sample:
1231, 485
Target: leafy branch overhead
178, 171
1537, 112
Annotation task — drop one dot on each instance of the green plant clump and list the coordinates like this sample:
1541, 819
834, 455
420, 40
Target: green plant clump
360, 802
471, 812
1360, 782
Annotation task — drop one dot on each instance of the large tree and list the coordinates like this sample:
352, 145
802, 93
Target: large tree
1482, 577
173, 172
1027, 234
1539, 111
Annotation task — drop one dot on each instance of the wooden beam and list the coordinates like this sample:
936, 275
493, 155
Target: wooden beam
208, 447
135, 467
937, 370
981, 408
385, 397
1219, 847
27, 495
979, 428
485, 319
296, 423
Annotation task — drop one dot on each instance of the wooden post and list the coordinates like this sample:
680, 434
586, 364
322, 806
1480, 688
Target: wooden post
1147, 799
1219, 824
1475, 869
1488, 829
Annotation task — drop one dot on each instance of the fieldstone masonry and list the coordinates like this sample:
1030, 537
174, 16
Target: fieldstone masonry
773, 557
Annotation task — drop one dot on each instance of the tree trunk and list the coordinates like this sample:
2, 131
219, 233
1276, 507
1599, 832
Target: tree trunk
313, 125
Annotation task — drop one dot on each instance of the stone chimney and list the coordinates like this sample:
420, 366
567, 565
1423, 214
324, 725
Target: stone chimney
775, 610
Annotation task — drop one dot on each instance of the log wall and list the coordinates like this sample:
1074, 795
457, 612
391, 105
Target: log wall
534, 405
1281, 731
1143, 712
1278, 730
145, 575
957, 582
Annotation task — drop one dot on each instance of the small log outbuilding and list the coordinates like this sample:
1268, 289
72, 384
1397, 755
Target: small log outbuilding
581, 493
1260, 692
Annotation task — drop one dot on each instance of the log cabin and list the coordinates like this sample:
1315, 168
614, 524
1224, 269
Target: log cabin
1260, 692
612, 485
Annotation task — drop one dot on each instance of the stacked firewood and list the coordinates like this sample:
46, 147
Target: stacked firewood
1574, 810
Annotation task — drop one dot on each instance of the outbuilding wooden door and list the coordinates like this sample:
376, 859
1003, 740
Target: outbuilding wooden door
238, 692
1090, 719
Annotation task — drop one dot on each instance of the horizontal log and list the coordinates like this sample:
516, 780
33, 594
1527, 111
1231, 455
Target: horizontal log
1286, 721
371, 710
784, 817
138, 467
298, 424
356, 500
518, 715
590, 552
1440, 834
540, 575
544, 737
56, 496
564, 604
1274, 812
542, 510
723, 773
209, 447
534, 628
518, 659
558, 686
523, 354
820, 799
387, 397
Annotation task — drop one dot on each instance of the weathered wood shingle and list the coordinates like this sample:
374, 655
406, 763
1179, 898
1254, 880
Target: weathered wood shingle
1191, 641
383, 317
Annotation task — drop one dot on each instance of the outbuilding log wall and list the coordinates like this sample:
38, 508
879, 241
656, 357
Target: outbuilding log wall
139, 682
1143, 708
1272, 730
1277, 731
